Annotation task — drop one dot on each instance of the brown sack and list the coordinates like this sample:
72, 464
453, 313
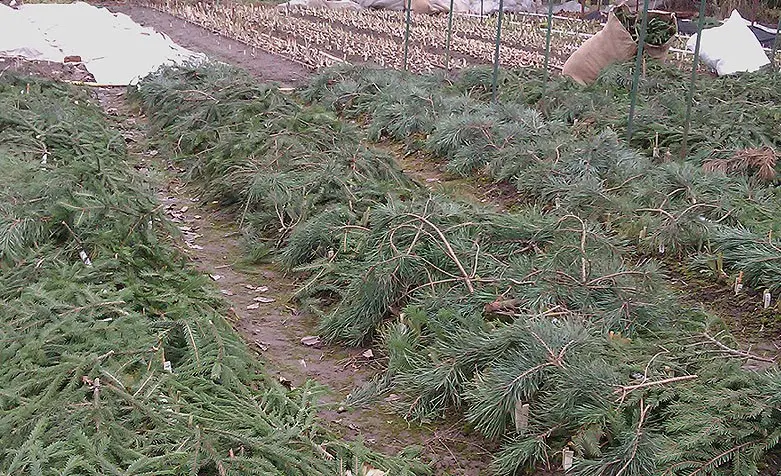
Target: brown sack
611, 45
660, 52
422, 6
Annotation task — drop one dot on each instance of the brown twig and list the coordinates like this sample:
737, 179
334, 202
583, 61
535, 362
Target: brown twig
718, 457
638, 434
625, 389
737, 353
450, 251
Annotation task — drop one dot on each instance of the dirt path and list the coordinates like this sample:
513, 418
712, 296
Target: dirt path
269, 321
263, 312
263, 65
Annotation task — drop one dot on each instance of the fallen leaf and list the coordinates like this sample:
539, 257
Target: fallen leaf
368, 354
253, 306
286, 383
303, 363
226, 292
264, 300
369, 470
261, 289
215, 277
310, 340
249, 286
263, 346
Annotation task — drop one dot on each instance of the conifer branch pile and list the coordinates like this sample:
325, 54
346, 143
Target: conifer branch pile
572, 161
547, 306
116, 358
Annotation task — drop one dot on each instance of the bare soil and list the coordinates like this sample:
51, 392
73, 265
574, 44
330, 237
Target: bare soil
45, 69
263, 65
757, 330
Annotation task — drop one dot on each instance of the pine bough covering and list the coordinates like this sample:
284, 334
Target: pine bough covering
547, 306
574, 161
95, 306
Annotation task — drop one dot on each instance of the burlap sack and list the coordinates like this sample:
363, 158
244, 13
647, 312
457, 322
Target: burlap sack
660, 52
439, 6
611, 45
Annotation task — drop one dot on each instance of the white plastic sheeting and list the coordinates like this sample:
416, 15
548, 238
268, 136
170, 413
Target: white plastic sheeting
730, 48
114, 48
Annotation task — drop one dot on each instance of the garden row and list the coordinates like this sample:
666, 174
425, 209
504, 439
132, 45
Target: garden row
566, 154
546, 326
115, 357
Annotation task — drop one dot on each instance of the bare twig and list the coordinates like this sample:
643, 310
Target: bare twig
624, 390
737, 353
450, 251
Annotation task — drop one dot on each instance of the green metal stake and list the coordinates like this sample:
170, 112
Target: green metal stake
482, 18
775, 46
690, 92
547, 48
406, 35
636, 76
449, 33
496, 50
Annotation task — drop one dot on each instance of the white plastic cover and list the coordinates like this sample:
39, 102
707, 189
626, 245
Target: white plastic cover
17, 38
114, 48
731, 47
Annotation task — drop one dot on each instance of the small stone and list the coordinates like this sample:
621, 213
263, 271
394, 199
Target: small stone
310, 340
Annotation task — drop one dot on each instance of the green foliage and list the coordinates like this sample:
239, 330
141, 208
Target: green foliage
482, 311
663, 207
93, 306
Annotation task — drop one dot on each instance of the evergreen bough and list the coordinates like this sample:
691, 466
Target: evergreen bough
548, 306
95, 305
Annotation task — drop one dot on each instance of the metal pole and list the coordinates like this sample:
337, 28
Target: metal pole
775, 46
406, 34
636, 76
449, 33
547, 48
482, 19
496, 50
690, 92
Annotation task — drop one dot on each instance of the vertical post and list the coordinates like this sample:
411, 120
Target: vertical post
406, 34
690, 92
449, 34
547, 49
775, 47
636, 75
496, 50
482, 19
